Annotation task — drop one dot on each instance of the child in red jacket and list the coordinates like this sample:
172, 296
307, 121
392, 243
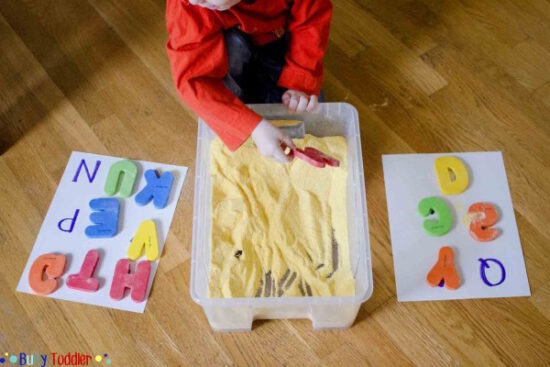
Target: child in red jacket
225, 53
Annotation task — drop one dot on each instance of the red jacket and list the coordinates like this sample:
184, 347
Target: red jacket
198, 57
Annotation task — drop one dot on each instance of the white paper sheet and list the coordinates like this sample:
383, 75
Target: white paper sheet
411, 177
72, 195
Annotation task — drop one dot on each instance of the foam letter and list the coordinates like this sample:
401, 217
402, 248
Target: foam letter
314, 157
444, 270
434, 205
158, 189
124, 185
105, 218
483, 215
72, 220
137, 282
445, 169
50, 264
84, 280
83, 164
146, 236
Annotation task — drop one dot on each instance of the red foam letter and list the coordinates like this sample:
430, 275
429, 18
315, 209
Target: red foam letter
84, 281
137, 282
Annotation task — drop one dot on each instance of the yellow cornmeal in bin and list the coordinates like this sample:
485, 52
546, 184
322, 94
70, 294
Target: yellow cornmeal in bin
279, 229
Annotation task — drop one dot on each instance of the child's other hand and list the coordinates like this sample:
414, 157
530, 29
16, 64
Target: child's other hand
272, 142
297, 101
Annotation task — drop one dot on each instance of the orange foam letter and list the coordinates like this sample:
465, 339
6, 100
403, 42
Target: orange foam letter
444, 270
483, 216
50, 264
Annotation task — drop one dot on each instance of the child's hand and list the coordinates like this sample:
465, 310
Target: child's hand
297, 101
271, 142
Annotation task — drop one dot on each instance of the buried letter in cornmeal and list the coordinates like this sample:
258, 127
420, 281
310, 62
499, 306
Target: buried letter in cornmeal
279, 229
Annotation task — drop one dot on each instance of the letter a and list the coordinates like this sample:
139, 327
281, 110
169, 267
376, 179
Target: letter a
146, 236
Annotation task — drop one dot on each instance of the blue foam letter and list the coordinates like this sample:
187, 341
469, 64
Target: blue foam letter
158, 189
105, 218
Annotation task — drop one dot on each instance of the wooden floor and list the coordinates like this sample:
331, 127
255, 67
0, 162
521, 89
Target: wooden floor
425, 75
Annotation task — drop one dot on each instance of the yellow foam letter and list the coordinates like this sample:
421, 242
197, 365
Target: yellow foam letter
146, 236
445, 169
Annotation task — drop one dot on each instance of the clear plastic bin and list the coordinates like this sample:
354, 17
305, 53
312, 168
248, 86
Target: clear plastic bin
237, 314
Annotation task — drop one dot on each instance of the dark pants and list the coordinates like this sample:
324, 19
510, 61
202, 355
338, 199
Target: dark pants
254, 70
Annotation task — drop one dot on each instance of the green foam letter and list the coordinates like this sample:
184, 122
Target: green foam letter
434, 205
125, 184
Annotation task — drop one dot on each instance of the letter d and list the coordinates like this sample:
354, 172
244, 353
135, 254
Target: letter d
72, 221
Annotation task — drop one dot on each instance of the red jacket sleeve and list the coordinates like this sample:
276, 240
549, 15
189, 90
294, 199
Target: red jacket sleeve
309, 27
198, 59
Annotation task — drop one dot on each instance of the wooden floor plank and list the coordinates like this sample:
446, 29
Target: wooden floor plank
424, 75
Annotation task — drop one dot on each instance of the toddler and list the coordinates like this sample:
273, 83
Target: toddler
225, 53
